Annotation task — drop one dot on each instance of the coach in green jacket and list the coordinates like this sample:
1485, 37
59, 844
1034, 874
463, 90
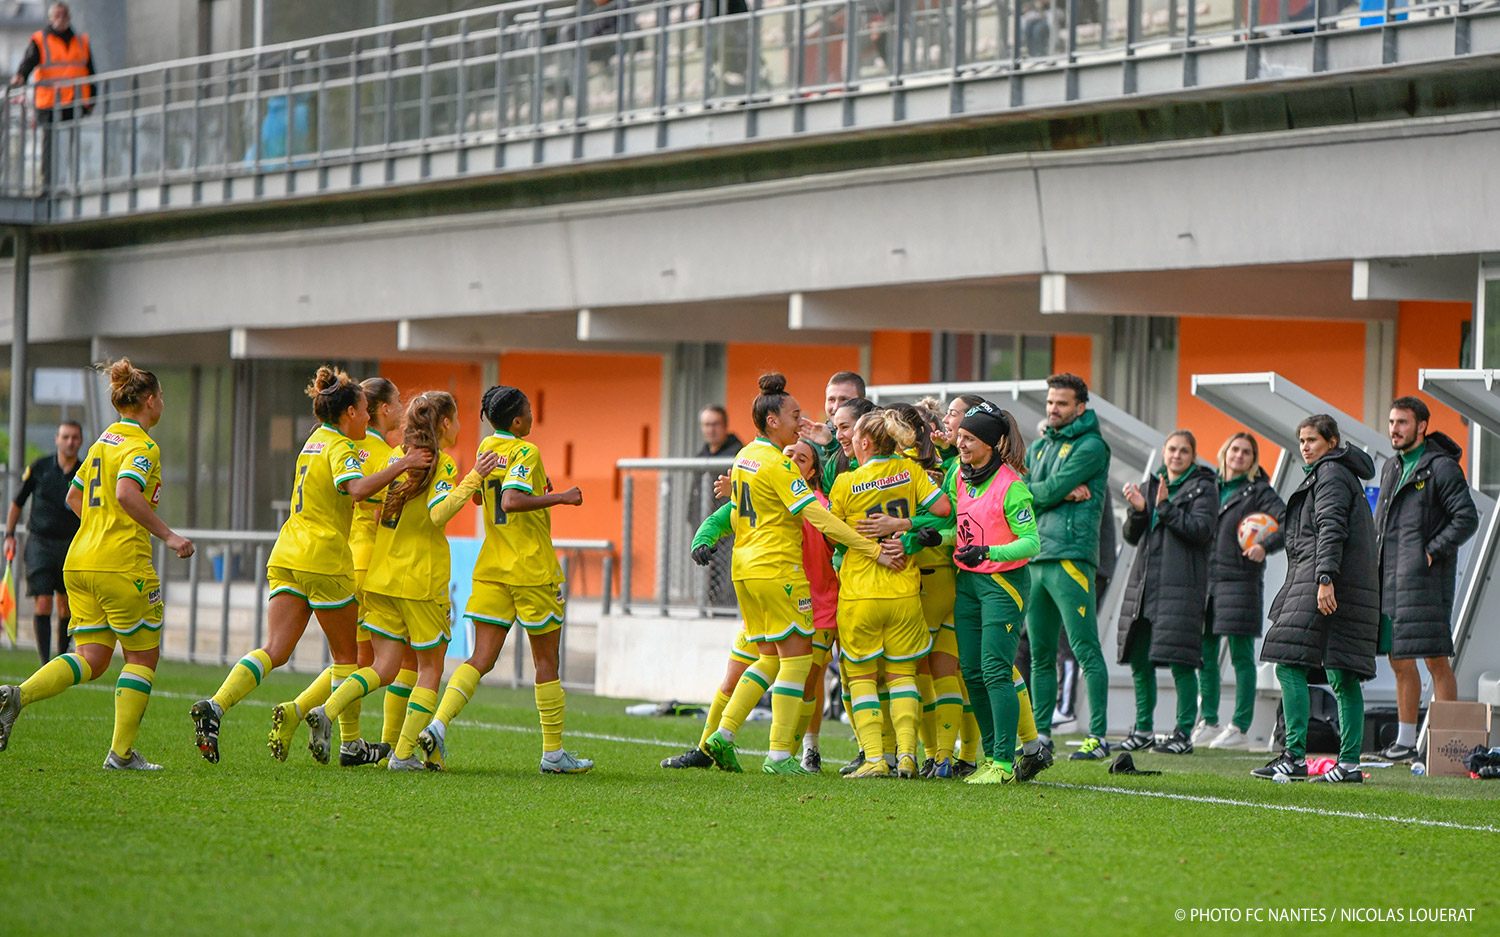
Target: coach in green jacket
1069, 473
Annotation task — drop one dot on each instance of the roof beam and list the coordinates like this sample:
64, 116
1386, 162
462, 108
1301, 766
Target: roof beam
1000, 306
755, 320
1310, 291
1452, 279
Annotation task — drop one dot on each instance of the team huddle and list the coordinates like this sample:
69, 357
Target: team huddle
364, 549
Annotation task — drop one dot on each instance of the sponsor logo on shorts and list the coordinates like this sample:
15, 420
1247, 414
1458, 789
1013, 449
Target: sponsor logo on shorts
880, 484
804, 605
154, 597
750, 465
313, 448
111, 439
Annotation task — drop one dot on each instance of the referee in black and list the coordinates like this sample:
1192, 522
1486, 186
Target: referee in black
49, 533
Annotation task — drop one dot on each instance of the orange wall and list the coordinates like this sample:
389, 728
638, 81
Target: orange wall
463, 382
1074, 354
807, 369
1325, 358
900, 357
1430, 335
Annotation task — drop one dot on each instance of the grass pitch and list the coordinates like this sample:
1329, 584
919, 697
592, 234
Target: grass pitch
253, 847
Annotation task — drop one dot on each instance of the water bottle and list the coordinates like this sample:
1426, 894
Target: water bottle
1418, 768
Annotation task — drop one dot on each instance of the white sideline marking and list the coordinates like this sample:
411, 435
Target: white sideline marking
1165, 795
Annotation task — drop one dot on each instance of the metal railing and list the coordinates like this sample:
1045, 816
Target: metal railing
539, 69
657, 523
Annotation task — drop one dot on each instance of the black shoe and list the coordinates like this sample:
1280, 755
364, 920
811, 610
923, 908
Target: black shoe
927, 768
1029, 766
206, 715
1177, 743
1136, 741
855, 765
692, 758
1282, 766
962, 769
359, 752
812, 761
1397, 752
1338, 774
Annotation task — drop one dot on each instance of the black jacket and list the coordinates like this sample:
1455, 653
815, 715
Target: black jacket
1236, 586
1329, 530
1168, 582
1431, 515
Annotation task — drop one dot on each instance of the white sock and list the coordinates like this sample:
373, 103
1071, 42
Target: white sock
810, 742
552, 755
439, 729
778, 756
1406, 734
1033, 746
890, 760
725, 734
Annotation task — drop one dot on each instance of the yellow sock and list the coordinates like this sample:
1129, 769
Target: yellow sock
132, 693
396, 697
887, 727
968, 729
715, 712
461, 687
906, 712
1026, 724
804, 719
419, 709
53, 677
550, 700
348, 691
865, 715
756, 681
243, 678
927, 727
949, 713
786, 700
316, 694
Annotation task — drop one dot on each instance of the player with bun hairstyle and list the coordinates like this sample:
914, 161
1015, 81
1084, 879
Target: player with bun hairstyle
517, 581
383, 400
406, 586
114, 590
880, 610
311, 568
770, 501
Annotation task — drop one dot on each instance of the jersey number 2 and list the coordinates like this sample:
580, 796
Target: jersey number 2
94, 483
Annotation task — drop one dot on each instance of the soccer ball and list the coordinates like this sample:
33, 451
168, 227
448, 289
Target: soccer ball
1256, 528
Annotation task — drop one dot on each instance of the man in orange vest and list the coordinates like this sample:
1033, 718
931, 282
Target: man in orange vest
56, 53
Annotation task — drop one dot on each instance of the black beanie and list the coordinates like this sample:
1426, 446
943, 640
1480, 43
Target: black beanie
986, 422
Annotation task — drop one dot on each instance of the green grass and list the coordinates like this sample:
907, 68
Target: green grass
250, 846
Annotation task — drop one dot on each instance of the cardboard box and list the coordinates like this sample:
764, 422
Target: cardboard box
1453, 730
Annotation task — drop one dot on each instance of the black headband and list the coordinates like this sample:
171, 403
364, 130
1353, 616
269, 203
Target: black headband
987, 423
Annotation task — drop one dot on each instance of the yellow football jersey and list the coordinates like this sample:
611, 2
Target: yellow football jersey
108, 540
930, 557
887, 485
315, 537
410, 559
518, 546
374, 455
768, 494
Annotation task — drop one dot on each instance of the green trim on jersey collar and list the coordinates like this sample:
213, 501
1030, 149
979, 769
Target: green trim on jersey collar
765, 440
879, 458
500, 434
126, 419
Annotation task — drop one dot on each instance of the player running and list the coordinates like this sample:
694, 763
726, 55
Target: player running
114, 590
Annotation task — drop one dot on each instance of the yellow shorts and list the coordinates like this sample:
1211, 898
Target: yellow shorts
422, 623
110, 607
823, 646
538, 609
891, 629
360, 634
938, 590
743, 650
316, 589
774, 608
945, 641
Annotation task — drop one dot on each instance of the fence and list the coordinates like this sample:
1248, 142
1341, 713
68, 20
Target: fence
662, 503
538, 68
216, 606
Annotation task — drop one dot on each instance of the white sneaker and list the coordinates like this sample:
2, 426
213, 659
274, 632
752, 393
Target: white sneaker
135, 762
410, 763
1064, 725
1231, 737
1204, 732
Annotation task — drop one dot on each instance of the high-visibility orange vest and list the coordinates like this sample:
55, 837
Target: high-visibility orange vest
60, 61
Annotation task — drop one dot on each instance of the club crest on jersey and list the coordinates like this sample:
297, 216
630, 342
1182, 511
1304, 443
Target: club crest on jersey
749, 465
111, 439
880, 484
969, 531
1062, 453
142, 463
314, 448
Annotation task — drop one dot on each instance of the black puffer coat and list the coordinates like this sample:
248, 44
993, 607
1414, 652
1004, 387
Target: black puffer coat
1236, 586
1431, 515
1329, 530
1168, 582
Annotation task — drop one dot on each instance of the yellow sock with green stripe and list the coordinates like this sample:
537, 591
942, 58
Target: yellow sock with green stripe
132, 693
243, 678
1026, 723
348, 713
968, 729
887, 727
316, 694
53, 677
715, 712
786, 703
906, 712
864, 713
752, 686
396, 697
461, 687
949, 712
927, 728
348, 691
419, 709
550, 702
804, 719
